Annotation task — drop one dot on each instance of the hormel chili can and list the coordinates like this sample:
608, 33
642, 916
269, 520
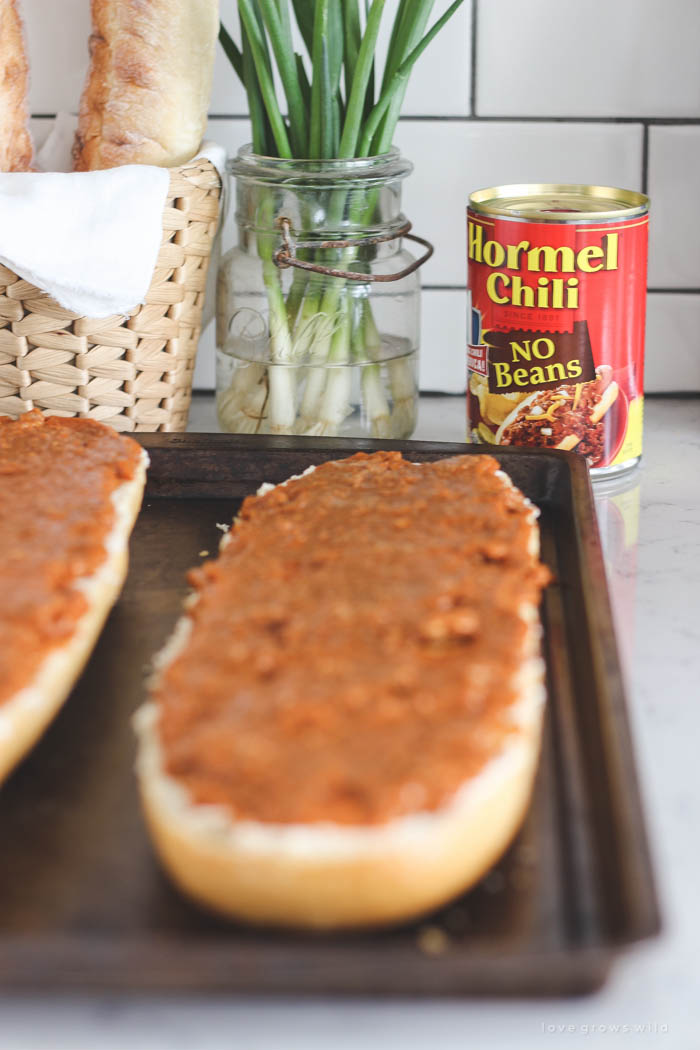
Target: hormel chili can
557, 279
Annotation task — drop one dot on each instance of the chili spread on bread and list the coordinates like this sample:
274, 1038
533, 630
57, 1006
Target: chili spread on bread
70, 490
365, 646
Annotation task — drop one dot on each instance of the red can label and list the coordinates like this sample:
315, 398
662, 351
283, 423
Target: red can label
556, 340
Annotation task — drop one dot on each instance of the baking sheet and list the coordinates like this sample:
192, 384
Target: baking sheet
83, 903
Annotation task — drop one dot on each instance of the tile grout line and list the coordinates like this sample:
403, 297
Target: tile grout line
474, 118
482, 118
472, 78
645, 159
673, 291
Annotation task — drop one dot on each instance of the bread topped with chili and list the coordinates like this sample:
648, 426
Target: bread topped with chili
70, 490
344, 727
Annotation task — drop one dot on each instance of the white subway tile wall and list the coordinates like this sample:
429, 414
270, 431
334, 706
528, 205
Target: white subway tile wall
604, 58
57, 40
510, 91
673, 345
444, 330
674, 187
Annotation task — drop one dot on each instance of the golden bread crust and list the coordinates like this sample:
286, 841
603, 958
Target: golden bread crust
147, 92
15, 141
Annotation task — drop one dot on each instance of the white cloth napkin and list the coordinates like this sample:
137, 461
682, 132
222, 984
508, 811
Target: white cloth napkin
89, 239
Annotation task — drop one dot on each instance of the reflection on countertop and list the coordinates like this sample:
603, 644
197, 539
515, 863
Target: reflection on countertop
617, 504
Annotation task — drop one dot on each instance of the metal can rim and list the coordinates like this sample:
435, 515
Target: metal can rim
489, 201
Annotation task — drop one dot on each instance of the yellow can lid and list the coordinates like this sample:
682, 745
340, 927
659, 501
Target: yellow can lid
559, 202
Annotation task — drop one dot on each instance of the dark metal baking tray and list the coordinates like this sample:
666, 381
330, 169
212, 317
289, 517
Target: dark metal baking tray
83, 903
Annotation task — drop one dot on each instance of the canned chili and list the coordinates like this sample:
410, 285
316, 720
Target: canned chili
557, 279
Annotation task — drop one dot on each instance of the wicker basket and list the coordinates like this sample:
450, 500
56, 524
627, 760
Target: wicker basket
133, 372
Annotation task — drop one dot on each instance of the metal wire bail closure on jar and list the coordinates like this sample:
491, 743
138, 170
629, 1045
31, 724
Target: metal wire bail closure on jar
286, 254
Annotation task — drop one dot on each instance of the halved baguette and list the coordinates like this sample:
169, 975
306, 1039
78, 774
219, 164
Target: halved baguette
147, 92
25, 715
329, 875
15, 140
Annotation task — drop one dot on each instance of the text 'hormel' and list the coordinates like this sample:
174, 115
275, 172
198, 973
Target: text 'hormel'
550, 292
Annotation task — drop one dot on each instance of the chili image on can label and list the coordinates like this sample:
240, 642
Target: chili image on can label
557, 284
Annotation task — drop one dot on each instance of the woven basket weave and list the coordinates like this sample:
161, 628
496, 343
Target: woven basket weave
133, 372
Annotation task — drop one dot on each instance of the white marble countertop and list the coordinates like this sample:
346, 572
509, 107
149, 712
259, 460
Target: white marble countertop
650, 522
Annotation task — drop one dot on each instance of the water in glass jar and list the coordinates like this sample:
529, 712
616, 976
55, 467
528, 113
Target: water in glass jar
376, 398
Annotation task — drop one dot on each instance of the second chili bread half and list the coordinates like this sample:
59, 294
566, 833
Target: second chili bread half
70, 491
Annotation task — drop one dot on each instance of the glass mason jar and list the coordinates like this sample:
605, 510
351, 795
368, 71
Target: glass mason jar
302, 351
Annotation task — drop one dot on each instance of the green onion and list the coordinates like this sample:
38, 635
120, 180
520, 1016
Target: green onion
318, 122
250, 19
304, 14
356, 101
320, 84
318, 326
303, 80
396, 88
352, 34
280, 34
262, 132
232, 53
